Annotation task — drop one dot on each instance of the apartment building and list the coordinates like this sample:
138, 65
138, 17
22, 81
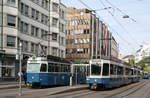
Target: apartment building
87, 37
40, 29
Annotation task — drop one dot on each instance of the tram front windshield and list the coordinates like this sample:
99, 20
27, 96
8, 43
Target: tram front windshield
33, 67
95, 69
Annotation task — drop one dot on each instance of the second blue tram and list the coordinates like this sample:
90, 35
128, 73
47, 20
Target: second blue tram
47, 71
109, 74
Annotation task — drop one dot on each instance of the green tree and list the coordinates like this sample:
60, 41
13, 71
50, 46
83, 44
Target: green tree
131, 61
147, 68
77, 61
144, 62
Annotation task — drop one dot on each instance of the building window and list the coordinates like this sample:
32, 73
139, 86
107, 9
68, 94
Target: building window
25, 28
26, 10
22, 8
61, 27
46, 19
37, 15
33, 13
12, 2
11, 20
37, 32
54, 22
54, 51
46, 34
43, 2
55, 7
32, 47
11, 41
42, 18
32, 30
62, 41
25, 46
42, 34
62, 53
21, 26
63, 15
54, 36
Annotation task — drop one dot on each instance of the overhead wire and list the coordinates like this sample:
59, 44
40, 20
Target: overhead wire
119, 10
106, 24
119, 23
103, 21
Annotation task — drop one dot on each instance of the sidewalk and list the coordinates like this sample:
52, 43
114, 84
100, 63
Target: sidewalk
7, 85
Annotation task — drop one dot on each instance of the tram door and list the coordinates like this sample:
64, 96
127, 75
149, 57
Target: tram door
80, 73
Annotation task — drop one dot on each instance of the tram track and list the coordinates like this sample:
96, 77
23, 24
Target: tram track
128, 91
73, 93
125, 91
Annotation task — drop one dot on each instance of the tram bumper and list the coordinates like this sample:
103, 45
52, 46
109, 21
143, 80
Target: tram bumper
94, 81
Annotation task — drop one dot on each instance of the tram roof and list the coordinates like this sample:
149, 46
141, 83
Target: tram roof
49, 58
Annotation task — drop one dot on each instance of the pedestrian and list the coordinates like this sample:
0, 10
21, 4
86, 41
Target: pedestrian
25, 78
18, 77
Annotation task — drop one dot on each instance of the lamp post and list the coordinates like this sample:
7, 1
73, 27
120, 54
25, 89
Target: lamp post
20, 69
2, 17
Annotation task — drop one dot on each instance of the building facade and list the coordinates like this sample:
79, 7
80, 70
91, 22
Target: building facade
87, 37
38, 24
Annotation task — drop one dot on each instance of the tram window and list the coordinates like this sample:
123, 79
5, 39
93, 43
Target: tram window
114, 69
56, 68
66, 68
69, 69
132, 72
111, 69
119, 70
43, 68
95, 69
105, 69
138, 72
127, 71
62, 68
51, 67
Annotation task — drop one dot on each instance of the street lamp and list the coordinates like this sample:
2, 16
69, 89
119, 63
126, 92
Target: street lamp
20, 70
106, 8
128, 17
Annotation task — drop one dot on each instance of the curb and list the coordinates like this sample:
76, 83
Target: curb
68, 90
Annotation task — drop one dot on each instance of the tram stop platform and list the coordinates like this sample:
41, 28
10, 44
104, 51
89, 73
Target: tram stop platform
54, 90
63, 89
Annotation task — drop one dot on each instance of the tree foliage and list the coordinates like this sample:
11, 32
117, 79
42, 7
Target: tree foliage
131, 61
144, 62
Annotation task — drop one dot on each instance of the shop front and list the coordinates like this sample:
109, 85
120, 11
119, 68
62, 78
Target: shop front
7, 69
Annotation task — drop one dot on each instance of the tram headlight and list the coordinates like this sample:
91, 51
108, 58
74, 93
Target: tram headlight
87, 79
32, 77
95, 80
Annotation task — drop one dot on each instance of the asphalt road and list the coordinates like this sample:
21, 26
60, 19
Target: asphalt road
135, 90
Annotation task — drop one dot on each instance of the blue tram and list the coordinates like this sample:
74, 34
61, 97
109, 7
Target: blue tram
48, 71
109, 74
145, 75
